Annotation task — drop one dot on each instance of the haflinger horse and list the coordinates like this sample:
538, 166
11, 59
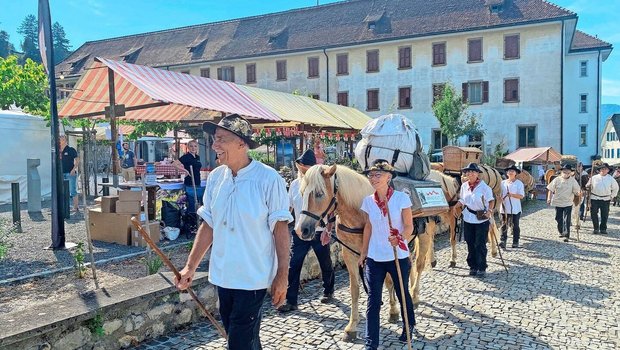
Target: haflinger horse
336, 189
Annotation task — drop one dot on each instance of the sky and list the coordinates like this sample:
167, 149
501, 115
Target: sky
87, 20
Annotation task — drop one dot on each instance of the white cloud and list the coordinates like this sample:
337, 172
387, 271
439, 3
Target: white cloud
611, 88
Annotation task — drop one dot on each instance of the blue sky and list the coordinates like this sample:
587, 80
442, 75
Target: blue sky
86, 20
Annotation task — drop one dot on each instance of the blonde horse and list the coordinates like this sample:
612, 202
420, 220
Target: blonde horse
340, 190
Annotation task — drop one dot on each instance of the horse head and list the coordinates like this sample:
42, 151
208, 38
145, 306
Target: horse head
318, 190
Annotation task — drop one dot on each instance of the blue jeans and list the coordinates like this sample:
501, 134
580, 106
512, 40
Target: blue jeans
374, 273
189, 191
299, 250
476, 238
241, 312
72, 183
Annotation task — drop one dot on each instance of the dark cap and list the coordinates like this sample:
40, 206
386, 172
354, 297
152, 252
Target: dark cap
235, 124
307, 158
471, 167
513, 167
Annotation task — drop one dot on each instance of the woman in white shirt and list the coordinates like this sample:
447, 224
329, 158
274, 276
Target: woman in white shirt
382, 232
512, 193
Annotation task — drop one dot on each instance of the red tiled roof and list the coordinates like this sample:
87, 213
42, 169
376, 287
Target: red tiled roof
583, 41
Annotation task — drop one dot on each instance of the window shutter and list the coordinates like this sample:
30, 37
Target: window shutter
232, 74
464, 89
485, 91
219, 74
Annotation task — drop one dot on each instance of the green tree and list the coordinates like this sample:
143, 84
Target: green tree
454, 119
62, 47
23, 86
30, 45
6, 48
148, 128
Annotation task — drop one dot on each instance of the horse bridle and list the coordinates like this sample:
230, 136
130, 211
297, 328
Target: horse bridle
331, 208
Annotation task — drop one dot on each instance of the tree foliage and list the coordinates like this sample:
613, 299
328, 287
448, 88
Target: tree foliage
23, 86
62, 46
454, 119
30, 45
6, 48
148, 128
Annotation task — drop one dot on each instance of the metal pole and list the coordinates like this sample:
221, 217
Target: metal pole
17, 220
66, 211
113, 130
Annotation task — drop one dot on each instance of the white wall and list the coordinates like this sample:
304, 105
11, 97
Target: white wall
612, 146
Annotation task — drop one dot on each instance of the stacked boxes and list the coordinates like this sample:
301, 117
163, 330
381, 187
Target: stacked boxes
128, 202
136, 237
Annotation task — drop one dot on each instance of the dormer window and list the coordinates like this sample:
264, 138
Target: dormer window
132, 55
372, 25
198, 45
495, 6
278, 39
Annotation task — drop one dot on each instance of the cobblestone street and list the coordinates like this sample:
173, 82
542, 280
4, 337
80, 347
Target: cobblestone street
556, 296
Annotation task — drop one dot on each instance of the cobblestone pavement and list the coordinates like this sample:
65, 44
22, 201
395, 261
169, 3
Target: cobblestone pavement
556, 296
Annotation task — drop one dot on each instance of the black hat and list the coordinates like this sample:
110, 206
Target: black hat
235, 124
307, 158
471, 167
513, 167
567, 167
605, 165
381, 165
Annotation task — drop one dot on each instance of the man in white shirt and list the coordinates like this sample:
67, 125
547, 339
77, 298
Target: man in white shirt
562, 191
246, 214
510, 209
603, 188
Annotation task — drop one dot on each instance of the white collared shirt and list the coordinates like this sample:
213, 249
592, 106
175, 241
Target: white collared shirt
603, 188
511, 205
243, 211
379, 247
473, 200
564, 191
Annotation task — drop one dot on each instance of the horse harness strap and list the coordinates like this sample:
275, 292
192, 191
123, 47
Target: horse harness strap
333, 203
347, 229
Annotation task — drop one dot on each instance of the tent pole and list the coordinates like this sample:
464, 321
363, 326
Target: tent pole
113, 130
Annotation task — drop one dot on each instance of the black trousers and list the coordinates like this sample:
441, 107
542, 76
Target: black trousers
563, 217
516, 230
241, 312
476, 238
603, 206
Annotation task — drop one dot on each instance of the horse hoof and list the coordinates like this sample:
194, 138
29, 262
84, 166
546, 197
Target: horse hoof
452, 264
433, 264
349, 337
494, 254
394, 318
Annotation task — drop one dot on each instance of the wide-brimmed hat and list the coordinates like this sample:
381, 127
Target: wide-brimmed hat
513, 167
567, 167
235, 124
381, 165
605, 165
471, 167
307, 158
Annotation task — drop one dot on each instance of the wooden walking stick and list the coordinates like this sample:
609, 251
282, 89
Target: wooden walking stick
164, 258
400, 281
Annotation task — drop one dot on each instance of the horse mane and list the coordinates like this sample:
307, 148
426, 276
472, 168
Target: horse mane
352, 186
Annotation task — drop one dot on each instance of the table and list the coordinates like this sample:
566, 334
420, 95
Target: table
160, 169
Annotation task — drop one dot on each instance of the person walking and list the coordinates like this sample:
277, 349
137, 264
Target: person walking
246, 216
510, 210
476, 199
70, 164
382, 232
128, 163
299, 250
603, 187
561, 192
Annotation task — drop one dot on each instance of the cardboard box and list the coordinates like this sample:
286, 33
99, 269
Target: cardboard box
138, 241
128, 207
129, 196
109, 227
108, 204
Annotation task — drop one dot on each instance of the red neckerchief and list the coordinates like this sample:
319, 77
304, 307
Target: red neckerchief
471, 187
383, 204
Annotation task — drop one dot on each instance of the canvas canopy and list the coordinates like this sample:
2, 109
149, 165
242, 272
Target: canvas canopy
539, 155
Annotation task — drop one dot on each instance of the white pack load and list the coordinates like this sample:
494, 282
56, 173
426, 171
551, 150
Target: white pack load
393, 137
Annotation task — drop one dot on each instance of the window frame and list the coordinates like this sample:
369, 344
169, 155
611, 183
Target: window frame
311, 68
527, 126
205, 72
518, 36
445, 53
583, 129
346, 96
401, 58
368, 61
220, 75
583, 104
247, 73
404, 106
441, 137
281, 64
346, 64
469, 41
518, 99
368, 107
583, 74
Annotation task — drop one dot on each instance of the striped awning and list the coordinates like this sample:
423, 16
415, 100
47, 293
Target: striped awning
151, 94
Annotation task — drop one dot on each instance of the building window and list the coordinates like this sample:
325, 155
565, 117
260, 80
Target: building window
583, 68
583, 103
250, 70
475, 92
474, 50
313, 67
511, 90
205, 72
342, 63
527, 136
343, 98
439, 54
404, 97
315, 96
583, 135
372, 103
372, 61
281, 70
226, 73
404, 57
617, 154
511, 46
438, 92
474, 140
439, 140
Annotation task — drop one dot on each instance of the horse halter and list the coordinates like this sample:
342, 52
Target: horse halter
333, 203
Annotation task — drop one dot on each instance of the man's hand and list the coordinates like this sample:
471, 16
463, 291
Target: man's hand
278, 288
362, 260
325, 237
187, 276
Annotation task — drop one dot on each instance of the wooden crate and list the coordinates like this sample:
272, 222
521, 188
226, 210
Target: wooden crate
456, 158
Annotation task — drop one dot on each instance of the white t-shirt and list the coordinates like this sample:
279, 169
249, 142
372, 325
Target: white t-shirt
511, 205
243, 211
379, 247
473, 200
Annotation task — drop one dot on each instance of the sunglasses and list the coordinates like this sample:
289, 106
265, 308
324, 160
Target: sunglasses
375, 175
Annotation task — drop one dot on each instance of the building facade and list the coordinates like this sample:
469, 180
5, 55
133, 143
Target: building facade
610, 143
521, 65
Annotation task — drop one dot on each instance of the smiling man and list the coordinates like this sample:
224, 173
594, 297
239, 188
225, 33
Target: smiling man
246, 214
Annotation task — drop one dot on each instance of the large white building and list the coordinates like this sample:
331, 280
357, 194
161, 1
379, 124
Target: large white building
521, 64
